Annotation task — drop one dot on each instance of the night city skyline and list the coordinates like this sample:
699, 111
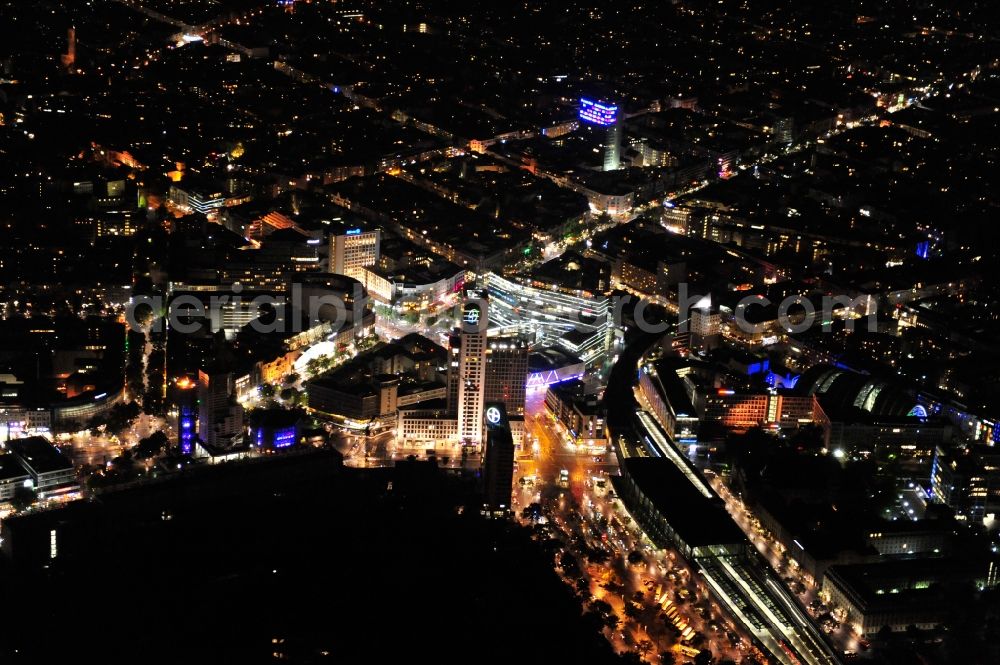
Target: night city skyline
628, 332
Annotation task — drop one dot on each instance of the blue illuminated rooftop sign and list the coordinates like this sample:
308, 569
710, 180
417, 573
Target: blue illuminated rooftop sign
471, 314
353, 232
598, 113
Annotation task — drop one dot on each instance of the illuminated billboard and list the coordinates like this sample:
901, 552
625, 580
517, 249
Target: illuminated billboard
474, 318
275, 438
284, 438
471, 314
495, 415
546, 378
598, 113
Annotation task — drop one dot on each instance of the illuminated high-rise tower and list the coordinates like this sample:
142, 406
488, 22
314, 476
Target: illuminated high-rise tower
220, 418
353, 249
467, 372
69, 57
498, 461
605, 115
507, 372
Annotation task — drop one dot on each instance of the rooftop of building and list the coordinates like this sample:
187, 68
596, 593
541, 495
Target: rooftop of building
417, 387
697, 520
421, 273
902, 581
842, 393
353, 382
569, 390
574, 272
671, 387
906, 527
358, 377
275, 418
550, 358
413, 345
437, 220
496, 188
39, 454
646, 245
11, 469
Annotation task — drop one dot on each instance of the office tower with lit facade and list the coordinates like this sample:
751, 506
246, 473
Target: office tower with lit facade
467, 373
352, 249
605, 116
967, 481
705, 328
507, 371
498, 461
580, 325
220, 418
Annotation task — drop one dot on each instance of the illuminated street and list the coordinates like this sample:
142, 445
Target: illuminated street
587, 519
